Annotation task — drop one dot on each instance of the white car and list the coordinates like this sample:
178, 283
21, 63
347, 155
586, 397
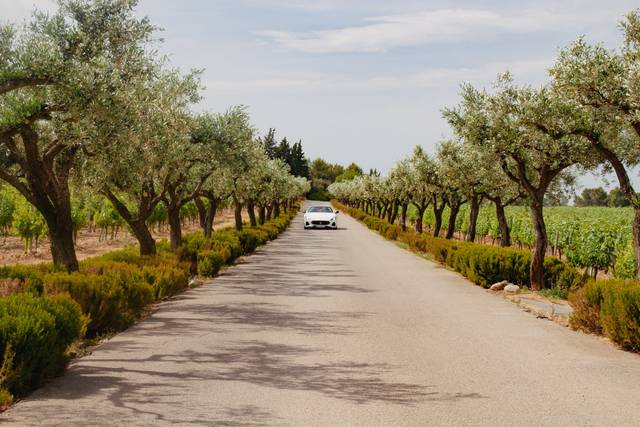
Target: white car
321, 217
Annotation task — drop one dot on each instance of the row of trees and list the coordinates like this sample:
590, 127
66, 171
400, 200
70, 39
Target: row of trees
87, 104
518, 142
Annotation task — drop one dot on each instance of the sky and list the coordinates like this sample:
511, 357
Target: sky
363, 80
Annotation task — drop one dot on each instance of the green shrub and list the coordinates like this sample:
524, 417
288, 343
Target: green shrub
30, 276
271, 229
166, 280
230, 240
249, 241
611, 307
35, 333
112, 300
210, 262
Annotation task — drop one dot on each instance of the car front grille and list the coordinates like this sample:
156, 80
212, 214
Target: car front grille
320, 222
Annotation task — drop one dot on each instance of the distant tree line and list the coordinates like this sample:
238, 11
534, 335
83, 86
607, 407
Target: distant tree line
599, 197
322, 174
292, 155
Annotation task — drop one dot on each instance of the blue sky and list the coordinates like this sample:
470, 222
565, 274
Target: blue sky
363, 80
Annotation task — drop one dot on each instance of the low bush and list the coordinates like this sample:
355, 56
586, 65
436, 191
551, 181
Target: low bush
112, 301
210, 262
35, 333
610, 307
166, 280
29, 276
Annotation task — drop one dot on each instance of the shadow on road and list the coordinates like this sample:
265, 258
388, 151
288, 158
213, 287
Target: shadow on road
198, 341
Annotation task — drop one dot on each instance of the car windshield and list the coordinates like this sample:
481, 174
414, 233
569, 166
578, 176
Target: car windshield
321, 209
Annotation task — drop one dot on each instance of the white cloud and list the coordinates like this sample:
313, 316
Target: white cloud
16, 11
530, 71
386, 32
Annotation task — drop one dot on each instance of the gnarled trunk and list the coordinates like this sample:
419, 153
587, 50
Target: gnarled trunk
237, 213
145, 238
175, 226
202, 211
474, 211
138, 224
453, 215
420, 218
403, 217
261, 214
210, 216
252, 213
540, 250
505, 233
63, 250
437, 214
393, 213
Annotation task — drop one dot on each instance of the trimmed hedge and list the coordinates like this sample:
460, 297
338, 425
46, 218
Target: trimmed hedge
47, 310
482, 264
610, 307
35, 334
210, 262
225, 246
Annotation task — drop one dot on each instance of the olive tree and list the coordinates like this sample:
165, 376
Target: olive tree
400, 183
423, 180
533, 134
479, 167
145, 151
606, 85
61, 75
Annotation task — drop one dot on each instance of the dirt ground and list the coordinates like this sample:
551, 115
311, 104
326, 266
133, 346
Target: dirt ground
90, 243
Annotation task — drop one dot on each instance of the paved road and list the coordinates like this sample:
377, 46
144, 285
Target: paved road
342, 328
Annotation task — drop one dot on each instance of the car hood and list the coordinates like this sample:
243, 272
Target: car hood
319, 216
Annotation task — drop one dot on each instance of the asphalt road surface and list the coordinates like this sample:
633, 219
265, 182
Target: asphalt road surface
335, 328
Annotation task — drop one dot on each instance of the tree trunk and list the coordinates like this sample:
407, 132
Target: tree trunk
210, 217
202, 211
453, 214
62, 247
437, 213
45, 185
505, 233
403, 217
143, 235
474, 211
393, 213
269, 212
261, 214
419, 219
252, 213
175, 226
238, 214
540, 250
276, 209
138, 225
